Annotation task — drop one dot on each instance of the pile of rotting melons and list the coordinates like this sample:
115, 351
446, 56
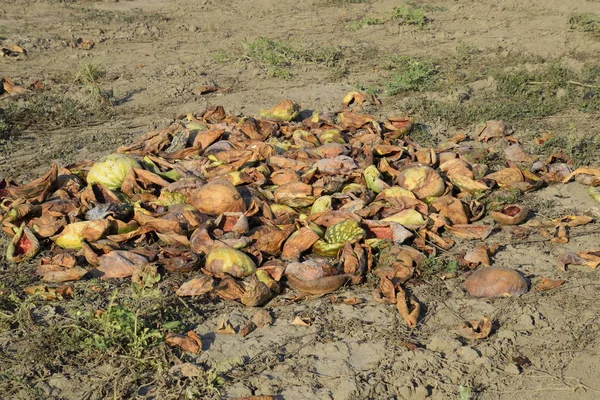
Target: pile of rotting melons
248, 206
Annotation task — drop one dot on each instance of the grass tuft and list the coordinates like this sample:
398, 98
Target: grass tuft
278, 56
433, 266
357, 24
585, 22
89, 73
410, 15
409, 75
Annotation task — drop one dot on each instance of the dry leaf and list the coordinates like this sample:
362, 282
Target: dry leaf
12, 50
516, 153
261, 318
302, 321
478, 256
59, 293
120, 264
196, 286
82, 43
474, 329
37, 190
548, 284
493, 129
190, 342
409, 310
589, 259
352, 301
409, 345
543, 138
225, 327
11, 88
247, 329
471, 231
206, 89
56, 273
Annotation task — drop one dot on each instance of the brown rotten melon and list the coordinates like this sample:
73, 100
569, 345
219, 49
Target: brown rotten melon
422, 180
217, 197
496, 282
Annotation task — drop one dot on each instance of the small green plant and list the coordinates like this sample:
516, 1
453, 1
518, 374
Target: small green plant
432, 266
47, 110
120, 328
585, 22
409, 75
279, 56
545, 81
270, 52
220, 56
328, 55
464, 392
410, 15
89, 73
356, 24
421, 134
344, 2
501, 198
582, 150
465, 52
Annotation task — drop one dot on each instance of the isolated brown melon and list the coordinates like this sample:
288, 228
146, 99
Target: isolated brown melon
496, 282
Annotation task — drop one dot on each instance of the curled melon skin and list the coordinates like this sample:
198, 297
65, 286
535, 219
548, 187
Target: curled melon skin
110, 171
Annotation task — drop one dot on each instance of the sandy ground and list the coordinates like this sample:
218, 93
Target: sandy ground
155, 54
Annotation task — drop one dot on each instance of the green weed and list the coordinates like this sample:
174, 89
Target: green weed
582, 150
409, 75
410, 15
462, 114
48, 110
270, 52
465, 392
585, 22
89, 73
544, 81
344, 2
421, 134
119, 328
433, 266
465, 52
501, 198
278, 56
356, 24
328, 55
220, 56
519, 94
107, 17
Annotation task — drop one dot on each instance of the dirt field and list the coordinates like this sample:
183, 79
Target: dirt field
452, 65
